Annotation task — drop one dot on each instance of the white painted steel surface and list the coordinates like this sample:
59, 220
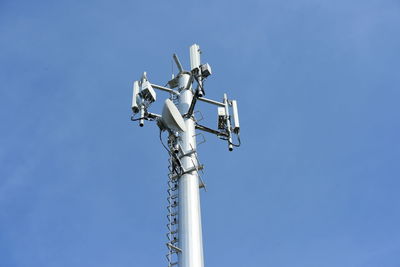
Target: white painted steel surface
162, 88
210, 101
190, 230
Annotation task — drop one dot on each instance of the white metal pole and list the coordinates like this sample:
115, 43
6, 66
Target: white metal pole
190, 230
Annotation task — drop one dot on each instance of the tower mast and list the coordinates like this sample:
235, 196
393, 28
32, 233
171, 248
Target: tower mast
190, 232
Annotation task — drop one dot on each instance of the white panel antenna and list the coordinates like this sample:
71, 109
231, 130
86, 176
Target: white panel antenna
236, 126
135, 98
194, 56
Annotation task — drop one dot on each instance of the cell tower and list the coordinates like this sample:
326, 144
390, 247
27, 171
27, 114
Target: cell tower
185, 244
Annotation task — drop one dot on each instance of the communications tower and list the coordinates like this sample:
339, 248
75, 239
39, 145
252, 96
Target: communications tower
185, 244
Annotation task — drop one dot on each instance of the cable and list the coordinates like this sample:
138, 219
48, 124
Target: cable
164, 144
198, 82
146, 117
227, 139
138, 119
236, 145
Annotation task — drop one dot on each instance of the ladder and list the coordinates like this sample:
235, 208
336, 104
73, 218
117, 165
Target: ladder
175, 172
172, 216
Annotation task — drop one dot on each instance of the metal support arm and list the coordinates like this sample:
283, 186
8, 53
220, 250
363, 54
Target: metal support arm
210, 101
209, 130
165, 89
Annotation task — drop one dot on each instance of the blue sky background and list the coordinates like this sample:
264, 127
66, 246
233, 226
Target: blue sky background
315, 184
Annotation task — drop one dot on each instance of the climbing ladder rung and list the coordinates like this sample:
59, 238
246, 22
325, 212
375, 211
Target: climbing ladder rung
194, 168
173, 196
188, 153
174, 247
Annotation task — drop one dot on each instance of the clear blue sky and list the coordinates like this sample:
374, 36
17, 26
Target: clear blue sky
315, 184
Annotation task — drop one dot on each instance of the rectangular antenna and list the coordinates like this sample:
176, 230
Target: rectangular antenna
135, 106
194, 56
236, 126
